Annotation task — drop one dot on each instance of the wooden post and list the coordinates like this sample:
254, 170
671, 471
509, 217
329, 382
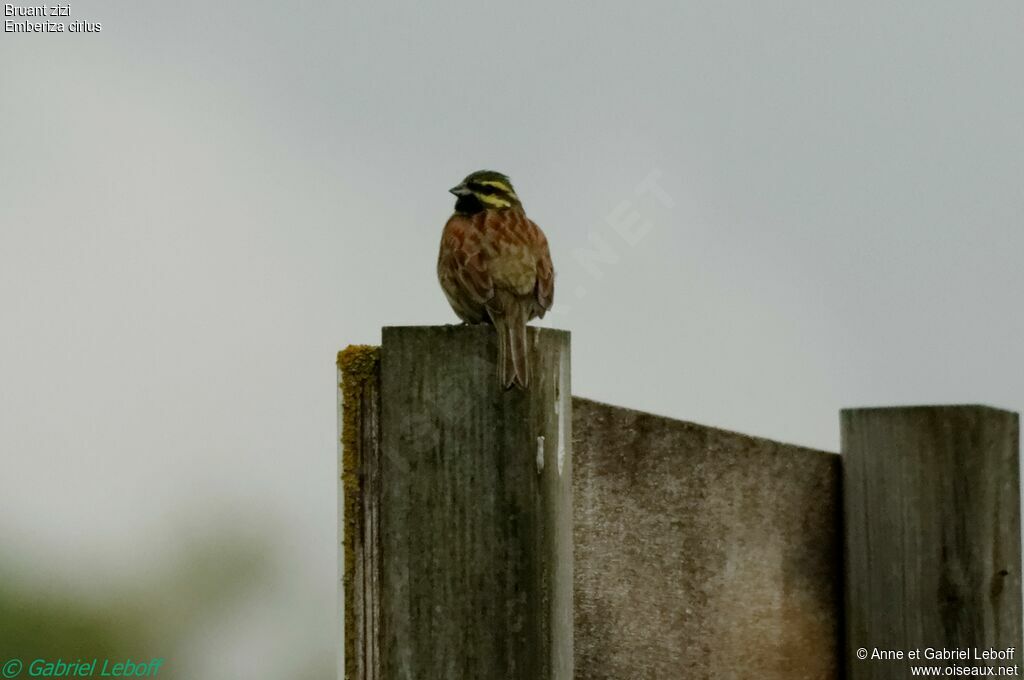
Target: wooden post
932, 525
462, 553
359, 510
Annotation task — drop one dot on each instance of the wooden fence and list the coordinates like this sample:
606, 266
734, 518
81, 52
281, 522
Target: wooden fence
490, 534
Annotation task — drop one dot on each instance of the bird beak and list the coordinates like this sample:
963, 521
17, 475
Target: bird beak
460, 190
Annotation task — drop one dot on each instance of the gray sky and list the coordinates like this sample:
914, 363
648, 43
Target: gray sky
205, 201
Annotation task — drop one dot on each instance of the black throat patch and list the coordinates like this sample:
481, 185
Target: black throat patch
468, 204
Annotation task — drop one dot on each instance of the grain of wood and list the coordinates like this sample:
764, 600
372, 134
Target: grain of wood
359, 467
473, 530
932, 516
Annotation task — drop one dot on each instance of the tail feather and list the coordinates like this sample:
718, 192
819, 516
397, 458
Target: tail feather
513, 351
519, 352
506, 369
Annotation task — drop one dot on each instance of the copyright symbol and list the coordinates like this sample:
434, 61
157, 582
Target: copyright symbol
862, 653
12, 668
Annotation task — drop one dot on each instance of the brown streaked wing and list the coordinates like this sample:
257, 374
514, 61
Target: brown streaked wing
545, 271
461, 250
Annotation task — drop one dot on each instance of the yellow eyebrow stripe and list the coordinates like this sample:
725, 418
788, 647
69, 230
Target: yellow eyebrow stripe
498, 184
495, 183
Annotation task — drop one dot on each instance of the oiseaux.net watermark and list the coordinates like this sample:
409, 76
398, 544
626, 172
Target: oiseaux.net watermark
627, 224
988, 662
80, 668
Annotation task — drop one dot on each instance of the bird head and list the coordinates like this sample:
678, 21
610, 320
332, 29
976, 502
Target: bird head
484, 190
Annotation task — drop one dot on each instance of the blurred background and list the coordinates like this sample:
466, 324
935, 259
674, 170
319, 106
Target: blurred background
759, 214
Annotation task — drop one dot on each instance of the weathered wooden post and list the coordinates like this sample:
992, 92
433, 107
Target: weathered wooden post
458, 509
932, 524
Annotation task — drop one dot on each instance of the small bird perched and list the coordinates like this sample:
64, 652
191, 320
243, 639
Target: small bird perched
494, 267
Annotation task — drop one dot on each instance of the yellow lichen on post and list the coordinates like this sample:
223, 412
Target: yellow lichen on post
358, 367
357, 363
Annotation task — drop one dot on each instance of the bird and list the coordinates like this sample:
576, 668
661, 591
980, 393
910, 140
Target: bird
495, 267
